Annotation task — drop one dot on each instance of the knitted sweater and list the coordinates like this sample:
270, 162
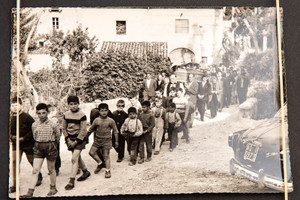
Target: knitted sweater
74, 123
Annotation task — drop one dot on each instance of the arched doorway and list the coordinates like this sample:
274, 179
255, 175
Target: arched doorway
181, 56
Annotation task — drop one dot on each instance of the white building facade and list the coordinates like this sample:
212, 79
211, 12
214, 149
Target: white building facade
191, 34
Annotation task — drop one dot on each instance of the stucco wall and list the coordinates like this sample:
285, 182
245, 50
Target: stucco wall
144, 24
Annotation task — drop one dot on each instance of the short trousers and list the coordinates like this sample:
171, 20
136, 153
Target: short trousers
45, 150
80, 145
103, 143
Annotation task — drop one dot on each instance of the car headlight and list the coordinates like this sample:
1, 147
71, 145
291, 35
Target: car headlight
231, 139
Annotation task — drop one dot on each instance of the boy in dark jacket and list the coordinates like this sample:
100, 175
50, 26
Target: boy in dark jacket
26, 138
148, 123
119, 116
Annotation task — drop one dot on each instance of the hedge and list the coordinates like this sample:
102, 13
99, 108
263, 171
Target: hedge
116, 74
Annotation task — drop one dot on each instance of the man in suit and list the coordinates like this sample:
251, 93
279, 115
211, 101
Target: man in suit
242, 85
173, 83
149, 86
204, 90
228, 83
160, 83
192, 91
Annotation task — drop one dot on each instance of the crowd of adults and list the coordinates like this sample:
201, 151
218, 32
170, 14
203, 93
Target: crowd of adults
214, 88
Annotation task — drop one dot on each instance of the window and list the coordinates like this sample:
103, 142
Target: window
181, 26
121, 27
41, 43
55, 23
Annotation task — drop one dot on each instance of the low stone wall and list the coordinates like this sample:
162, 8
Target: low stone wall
248, 109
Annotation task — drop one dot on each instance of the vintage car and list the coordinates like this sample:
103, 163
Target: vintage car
258, 153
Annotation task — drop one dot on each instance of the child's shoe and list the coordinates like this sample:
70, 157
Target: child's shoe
141, 161
107, 174
170, 149
39, 181
120, 160
70, 185
99, 167
12, 189
156, 152
131, 163
29, 194
84, 176
52, 191
148, 159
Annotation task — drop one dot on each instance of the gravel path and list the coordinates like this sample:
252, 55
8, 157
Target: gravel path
199, 167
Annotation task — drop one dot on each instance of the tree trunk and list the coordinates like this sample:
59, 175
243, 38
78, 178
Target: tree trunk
20, 67
253, 35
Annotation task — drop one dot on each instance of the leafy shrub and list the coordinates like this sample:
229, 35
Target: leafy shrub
116, 74
266, 107
260, 66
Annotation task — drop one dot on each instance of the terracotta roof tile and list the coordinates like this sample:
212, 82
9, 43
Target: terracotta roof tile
137, 48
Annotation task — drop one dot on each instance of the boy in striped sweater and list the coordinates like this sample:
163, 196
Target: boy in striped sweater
74, 130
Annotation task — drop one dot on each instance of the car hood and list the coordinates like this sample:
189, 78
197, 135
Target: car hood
268, 132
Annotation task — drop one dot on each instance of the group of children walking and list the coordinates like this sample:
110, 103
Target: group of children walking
139, 127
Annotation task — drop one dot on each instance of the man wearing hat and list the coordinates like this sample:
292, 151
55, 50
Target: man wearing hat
242, 85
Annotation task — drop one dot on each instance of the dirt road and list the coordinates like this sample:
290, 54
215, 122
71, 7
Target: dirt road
199, 167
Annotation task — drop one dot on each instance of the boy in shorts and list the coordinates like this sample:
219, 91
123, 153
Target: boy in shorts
173, 123
131, 129
74, 130
46, 135
148, 123
102, 128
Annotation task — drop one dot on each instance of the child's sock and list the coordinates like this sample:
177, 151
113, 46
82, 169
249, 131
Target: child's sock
70, 185
52, 191
72, 180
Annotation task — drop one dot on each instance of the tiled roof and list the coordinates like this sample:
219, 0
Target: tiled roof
137, 48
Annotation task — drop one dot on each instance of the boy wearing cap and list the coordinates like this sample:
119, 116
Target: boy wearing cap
131, 129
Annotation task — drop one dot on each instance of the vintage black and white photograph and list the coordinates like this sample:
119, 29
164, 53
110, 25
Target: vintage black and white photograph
147, 100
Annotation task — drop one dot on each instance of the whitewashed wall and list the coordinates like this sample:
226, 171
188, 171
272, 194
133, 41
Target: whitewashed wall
144, 25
